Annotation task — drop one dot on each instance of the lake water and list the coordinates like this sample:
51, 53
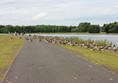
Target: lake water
108, 37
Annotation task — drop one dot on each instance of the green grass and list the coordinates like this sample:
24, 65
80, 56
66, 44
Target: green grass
8, 50
108, 60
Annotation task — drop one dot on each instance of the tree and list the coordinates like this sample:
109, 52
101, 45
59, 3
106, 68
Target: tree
83, 27
94, 29
1, 28
111, 28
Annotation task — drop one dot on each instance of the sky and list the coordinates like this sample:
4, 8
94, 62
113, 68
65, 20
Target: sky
57, 12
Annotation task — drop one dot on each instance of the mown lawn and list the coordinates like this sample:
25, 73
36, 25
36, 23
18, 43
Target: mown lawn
108, 60
8, 50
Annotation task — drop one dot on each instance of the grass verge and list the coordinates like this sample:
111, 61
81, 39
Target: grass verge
108, 60
8, 50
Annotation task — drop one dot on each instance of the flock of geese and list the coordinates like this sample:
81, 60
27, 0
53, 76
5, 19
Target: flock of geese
92, 45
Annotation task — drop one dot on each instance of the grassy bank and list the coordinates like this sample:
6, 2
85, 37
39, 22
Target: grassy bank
9, 46
108, 60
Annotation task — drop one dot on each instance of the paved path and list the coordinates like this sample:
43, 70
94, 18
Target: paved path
40, 62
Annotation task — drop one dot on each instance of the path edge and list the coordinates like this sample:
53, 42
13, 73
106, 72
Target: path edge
4, 76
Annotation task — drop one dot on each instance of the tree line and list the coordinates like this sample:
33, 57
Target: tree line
82, 27
110, 28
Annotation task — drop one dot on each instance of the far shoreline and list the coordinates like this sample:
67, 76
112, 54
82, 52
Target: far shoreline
75, 33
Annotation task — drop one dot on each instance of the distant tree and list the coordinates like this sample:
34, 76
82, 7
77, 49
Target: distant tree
2, 28
83, 27
111, 28
94, 29
10, 28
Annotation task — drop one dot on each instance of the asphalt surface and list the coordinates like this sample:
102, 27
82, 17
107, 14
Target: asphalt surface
40, 62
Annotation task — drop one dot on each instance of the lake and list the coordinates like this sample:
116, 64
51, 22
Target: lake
109, 37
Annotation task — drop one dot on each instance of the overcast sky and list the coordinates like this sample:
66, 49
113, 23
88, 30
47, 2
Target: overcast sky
57, 12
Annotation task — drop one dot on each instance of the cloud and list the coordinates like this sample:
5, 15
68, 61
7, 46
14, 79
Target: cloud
7, 1
39, 16
25, 12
